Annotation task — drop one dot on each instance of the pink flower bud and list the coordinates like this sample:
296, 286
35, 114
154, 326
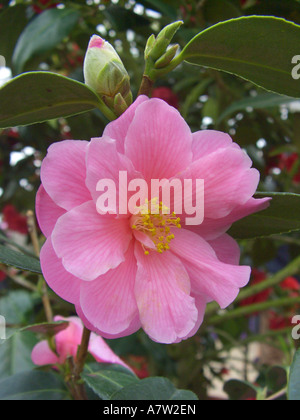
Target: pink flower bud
105, 73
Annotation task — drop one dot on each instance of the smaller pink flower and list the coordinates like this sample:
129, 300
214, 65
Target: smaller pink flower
67, 342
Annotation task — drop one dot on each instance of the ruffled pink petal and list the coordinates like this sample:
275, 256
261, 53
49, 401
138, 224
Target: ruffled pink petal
167, 311
158, 141
228, 180
133, 327
213, 228
59, 280
90, 244
200, 302
206, 142
209, 276
118, 129
109, 302
104, 162
103, 353
226, 249
63, 173
42, 355
47, 212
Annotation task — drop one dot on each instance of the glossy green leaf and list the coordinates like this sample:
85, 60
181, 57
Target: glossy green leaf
33, 386
12, 22
266, 100
42, 34
15, 354
153, 389
258, 49
43, 96
282, 216
109, 379
294, 381
15, 259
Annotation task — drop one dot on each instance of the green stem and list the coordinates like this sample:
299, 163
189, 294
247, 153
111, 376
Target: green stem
250, 309
151, 74
110, 115
77, 386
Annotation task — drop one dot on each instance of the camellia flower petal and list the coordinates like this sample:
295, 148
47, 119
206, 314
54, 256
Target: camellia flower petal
67, 342
148, 269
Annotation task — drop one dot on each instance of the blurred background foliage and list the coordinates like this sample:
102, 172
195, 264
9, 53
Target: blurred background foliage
47, 35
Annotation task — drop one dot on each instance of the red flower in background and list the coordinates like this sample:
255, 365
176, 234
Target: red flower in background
14, 220
285, 162
167, 95
257, 277
279, 321
40, 5
2, 276
291, 284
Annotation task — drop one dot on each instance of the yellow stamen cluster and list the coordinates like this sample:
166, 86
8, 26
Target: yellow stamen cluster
155, 220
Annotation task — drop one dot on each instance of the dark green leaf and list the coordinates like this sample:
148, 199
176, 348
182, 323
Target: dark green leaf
153, 389
294, 381
245, 48
42, 34
123, 19
15, 354
287, 9
276, 379
16, 259
12, 22
239, 390
108, 379
282, 216
33, 386
220, 10
43, 96
47, 328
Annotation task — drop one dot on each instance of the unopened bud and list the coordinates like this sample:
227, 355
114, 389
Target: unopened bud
105, 73
165, 59
163, 40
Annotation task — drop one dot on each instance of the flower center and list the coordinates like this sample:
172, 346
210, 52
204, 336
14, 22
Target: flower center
155, 220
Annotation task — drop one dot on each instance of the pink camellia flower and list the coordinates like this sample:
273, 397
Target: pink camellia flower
67, 342
125, 272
